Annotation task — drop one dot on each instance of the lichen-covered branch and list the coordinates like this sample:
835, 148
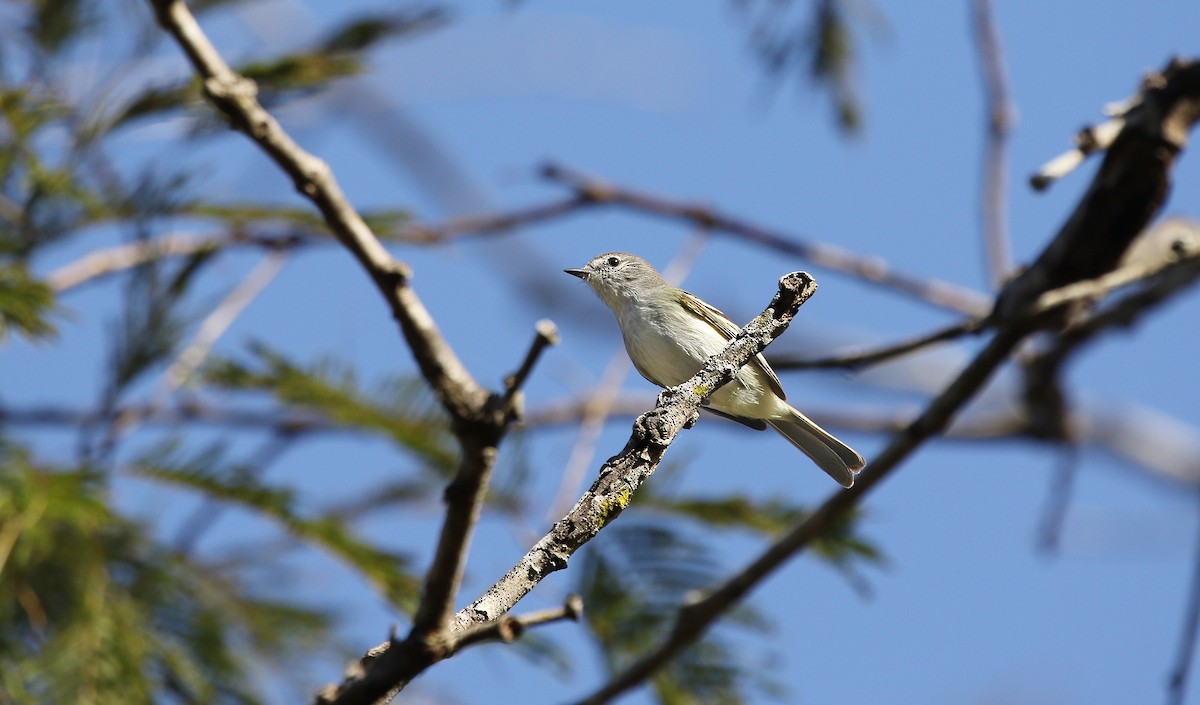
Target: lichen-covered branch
623, 474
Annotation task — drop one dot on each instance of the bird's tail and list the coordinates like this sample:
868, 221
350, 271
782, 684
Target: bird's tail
837, 459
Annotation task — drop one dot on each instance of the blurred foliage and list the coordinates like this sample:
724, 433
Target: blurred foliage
841, 547
93, 610
337, 55
205, 473
813, 40
636, 575
401, 410
633, 577
25, 303
56, 23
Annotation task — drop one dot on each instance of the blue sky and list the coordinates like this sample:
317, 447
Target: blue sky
666, 97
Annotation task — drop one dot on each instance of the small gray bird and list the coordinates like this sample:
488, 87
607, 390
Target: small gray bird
669, 335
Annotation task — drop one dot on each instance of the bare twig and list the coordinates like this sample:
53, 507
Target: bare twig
870, 269
547, 335
1177, 685
1001, 114
102, 262
508, 628
492, 224
1088, 141
217, 322
1050, 530
1139, 270
867, 358
108, 261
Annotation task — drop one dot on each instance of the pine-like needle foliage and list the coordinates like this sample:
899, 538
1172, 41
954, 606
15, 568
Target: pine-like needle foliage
400, 410
93, 610
206, 474
633, 578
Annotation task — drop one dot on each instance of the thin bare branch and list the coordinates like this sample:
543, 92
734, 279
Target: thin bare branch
1089, 140
867, 358
547, 335
1050, 528
219, 320
508, 628
1001, 115
873, 270
1177, 685
494, 223
115, 259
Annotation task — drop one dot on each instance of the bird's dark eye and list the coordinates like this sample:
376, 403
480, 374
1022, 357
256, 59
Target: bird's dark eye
614, 261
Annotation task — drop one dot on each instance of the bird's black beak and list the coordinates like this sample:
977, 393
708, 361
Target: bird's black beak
581, 273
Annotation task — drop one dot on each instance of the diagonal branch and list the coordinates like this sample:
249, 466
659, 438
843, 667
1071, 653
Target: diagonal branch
464, 502
547, 335
390, 666
623, 474
235, 96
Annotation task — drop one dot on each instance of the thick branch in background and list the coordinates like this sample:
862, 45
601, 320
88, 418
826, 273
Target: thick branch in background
1129, 188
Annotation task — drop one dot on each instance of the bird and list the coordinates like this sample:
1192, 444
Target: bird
670, 333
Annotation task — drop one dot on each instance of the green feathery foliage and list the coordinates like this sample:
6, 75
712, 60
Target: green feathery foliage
205, 473
842, 547
93, 610
401, 410
819, 46
633, 577
341, 53
25, 303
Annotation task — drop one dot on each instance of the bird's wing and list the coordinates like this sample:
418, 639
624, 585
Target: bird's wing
713, 317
